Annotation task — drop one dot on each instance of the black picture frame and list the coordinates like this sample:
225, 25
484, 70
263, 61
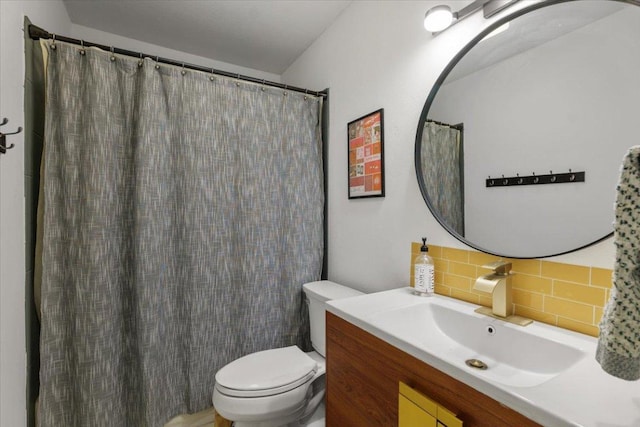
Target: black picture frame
365, 156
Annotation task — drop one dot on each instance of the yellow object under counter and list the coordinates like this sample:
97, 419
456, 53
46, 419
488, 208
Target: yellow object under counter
417, 410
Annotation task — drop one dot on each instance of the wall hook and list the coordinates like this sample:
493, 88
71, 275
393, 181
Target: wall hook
3, 137
551, 178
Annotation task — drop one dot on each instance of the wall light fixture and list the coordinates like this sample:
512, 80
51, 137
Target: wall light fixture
440, 17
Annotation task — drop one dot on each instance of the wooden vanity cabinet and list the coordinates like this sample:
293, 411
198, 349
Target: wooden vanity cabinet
363, 374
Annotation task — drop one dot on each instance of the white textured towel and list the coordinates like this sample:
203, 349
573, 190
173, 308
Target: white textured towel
618, 349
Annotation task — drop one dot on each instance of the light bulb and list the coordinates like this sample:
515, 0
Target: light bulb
438, 18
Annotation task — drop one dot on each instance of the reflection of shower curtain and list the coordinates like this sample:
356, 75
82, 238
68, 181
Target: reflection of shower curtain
181, 217
442, 170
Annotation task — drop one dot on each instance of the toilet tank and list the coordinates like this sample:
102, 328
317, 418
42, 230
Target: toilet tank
317, 294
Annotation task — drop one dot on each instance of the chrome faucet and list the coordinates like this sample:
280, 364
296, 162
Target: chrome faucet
498, 284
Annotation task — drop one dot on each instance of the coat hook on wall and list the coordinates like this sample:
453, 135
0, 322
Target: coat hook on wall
3, 137
551, 178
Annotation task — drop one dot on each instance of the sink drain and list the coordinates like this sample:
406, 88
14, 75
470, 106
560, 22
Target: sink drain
477, 364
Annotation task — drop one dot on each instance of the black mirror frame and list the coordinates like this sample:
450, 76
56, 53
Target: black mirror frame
429, 102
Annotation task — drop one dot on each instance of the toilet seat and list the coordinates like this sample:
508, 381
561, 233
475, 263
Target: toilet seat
266, 373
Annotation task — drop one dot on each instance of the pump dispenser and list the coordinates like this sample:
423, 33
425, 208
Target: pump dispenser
423, 272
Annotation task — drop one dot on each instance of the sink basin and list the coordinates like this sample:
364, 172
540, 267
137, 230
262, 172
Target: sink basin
451, 331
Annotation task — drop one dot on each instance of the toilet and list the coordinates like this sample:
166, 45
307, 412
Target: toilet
282, 386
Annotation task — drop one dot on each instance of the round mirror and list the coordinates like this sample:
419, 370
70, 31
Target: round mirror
520, 142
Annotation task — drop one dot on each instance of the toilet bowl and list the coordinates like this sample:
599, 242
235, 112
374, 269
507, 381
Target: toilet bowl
269, 388
282, 386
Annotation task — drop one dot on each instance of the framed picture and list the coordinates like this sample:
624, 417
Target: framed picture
366, 155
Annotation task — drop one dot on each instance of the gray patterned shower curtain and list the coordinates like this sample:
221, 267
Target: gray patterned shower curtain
443, 173
182, 214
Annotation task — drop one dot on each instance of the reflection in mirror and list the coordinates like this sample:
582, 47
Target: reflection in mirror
557, 90
444, 142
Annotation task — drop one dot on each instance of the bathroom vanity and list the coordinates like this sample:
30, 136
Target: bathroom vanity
364, 374
394, 358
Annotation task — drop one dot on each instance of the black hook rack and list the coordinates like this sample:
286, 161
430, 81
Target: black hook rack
3, 137
550, 178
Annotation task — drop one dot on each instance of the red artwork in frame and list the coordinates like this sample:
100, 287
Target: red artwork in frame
366, 155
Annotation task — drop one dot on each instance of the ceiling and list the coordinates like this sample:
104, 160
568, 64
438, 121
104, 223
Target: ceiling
266, 35
531, 30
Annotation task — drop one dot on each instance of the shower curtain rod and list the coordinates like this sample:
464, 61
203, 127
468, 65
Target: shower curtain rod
458, 126
36, 33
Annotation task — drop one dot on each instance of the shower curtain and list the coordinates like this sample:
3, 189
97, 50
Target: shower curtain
442, 171
182, 214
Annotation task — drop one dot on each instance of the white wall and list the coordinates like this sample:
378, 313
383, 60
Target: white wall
377, 54
108, 39
53, 15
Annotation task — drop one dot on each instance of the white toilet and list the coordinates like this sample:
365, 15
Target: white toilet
283, 386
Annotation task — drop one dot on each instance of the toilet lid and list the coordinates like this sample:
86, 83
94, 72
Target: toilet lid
266, 373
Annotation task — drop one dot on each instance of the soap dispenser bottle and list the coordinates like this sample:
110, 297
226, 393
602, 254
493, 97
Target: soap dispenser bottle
423, 272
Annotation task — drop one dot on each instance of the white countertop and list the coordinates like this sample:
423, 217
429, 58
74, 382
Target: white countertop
584, 395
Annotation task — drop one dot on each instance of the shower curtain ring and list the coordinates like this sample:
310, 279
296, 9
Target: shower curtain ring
82, 51
53, 43
285, 91
141, 61
157, 63
263, 88
113, 56
183, 72
305, 94
212, 76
